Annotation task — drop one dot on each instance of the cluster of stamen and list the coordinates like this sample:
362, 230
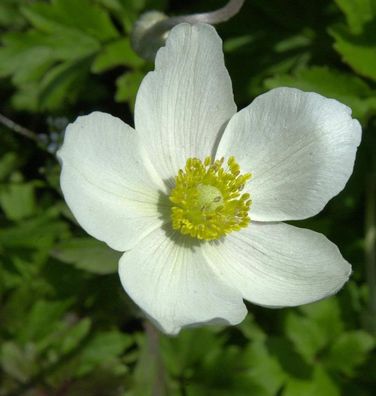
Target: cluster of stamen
207, 199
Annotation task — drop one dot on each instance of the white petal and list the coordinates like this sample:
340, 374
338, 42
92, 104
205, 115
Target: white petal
107, 181
279, 265
167, 276
300, 148
182, 106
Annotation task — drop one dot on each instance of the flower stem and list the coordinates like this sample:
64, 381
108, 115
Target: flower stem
147, 39
20, 130
152, 336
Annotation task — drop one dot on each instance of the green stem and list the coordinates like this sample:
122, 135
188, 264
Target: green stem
152, 336
370, 248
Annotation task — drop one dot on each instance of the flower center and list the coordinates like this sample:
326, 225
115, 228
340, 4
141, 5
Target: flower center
207, 199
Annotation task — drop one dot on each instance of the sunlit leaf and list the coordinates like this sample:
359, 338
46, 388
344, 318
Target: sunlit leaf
358, 51
82, 15
358, 12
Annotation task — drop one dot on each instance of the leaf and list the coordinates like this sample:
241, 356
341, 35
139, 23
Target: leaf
127, 86
116, 53
73, 336
349, 351
187, 350
359, 51
358, 12
33, 60
17, 362
346, 88
251, 329
288, 358
327, 315
42, 319
50, 63
23, 55
320, 384
305, 334
18, 200
88, 254
26, 97
9, 14
127, 11
80, 15
8, 163
61, 43
62, 83
104, 347
38, 233
264, 367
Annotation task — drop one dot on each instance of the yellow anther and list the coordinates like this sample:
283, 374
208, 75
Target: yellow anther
207, 199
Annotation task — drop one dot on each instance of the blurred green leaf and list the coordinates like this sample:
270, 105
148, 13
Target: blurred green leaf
127, 11
225, 372
290, 361
320, 384
9, 13
50, 63
185, 351
61, 83
88, 254
42, 319
24, 56
17, 362
127, 86
358, 51
38, 233
358, 12
73, 336
82, 15
103, 348
116, 53
264, 368
8, 163
30, 58
251, 329
18, 200
349, 351
306, 335
327, 316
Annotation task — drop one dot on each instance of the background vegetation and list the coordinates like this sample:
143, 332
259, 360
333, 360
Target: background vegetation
67, 327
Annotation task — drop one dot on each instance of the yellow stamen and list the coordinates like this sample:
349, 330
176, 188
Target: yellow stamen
207, 199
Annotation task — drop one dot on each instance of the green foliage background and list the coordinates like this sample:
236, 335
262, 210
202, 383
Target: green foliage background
67, 327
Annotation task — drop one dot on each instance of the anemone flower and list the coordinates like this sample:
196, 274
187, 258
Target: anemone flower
196, 195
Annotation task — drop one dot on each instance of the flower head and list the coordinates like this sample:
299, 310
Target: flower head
195, 196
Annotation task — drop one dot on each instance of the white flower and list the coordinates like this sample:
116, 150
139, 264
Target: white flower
122, 187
